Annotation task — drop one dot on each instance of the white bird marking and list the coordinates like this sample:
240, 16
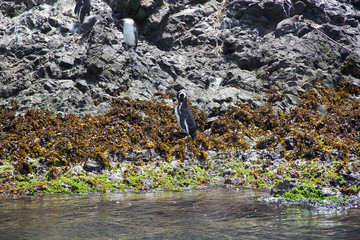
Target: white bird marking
177, 113
186, 126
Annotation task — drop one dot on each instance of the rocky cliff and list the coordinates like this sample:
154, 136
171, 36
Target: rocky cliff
219, 52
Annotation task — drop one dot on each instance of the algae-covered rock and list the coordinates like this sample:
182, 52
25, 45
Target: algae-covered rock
284, 186
78, 104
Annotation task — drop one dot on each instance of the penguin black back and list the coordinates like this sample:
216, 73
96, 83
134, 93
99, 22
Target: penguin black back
184, 115
82, 8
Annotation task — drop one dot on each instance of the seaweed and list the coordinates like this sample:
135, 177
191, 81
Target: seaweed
59, 142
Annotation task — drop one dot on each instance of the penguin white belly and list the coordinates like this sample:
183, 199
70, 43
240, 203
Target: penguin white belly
178, 112
129, 35
186, 127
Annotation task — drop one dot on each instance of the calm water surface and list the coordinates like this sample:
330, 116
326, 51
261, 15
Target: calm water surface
214, 213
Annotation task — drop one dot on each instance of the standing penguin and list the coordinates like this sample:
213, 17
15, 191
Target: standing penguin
184, 115
130, 31
82, 8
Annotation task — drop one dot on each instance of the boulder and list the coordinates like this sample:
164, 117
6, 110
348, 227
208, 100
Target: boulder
284, 186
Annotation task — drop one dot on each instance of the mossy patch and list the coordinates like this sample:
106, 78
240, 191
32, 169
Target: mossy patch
309, 192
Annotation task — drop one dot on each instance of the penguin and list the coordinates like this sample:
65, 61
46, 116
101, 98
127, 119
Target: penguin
184, 115
85, 27
130, 31
88, 25
82, 8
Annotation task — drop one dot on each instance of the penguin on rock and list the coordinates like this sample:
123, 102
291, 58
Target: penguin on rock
82, 8
129, 31
184, 115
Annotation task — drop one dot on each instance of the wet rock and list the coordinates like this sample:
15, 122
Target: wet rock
149, 183
284, 186
227, 172
66, 186
323, 110
230, 45
82, 85
275, 10
354, 172
92, 166
133, 156
328, 192
155, 22
351, 175
76, 170
262, 144
251, 156
66, 62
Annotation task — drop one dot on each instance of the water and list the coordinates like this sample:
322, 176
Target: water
213, 213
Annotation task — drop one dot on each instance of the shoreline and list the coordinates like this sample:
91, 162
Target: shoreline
137, 146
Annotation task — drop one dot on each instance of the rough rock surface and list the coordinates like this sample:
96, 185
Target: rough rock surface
214, 50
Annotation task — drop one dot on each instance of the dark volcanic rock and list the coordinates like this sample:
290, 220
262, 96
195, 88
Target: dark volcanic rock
92, 166
214, 52
284, 186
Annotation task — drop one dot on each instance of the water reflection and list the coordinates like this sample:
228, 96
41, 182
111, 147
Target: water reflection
215, 213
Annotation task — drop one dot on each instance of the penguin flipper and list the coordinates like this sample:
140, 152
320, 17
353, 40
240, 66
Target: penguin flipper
189, 123
136, 35
82, 14
77, 7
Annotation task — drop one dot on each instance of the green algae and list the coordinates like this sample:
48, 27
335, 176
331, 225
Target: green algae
169, 176
312, 197
309, 192
40, 151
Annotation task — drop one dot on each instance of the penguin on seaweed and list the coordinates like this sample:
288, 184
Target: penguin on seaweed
184, 115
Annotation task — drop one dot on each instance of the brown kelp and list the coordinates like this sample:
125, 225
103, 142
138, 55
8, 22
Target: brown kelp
318, 142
